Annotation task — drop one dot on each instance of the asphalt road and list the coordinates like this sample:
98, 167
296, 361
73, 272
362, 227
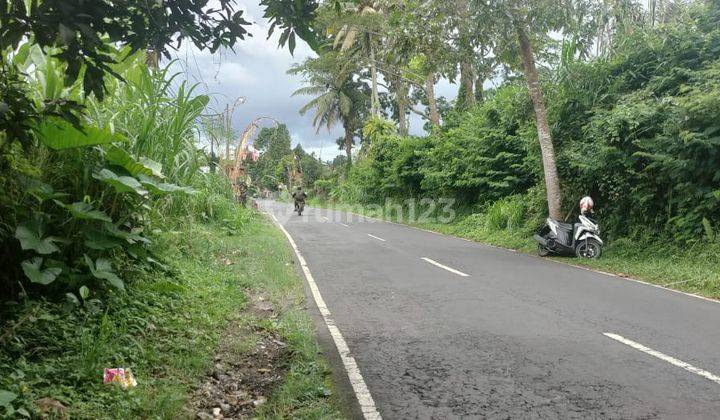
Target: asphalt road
506, 335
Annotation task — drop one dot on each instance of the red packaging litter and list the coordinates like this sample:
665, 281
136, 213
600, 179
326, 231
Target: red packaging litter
120, 376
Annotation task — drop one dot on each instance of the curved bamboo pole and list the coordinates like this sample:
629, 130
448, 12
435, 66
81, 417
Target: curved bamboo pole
238, 169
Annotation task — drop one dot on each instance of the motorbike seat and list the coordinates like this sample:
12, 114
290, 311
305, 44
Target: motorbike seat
566, 226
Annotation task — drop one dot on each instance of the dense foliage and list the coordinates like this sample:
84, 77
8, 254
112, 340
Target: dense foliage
81, 31
82, 204
651, 145
94, 143
637, 130
99, 161
278, 164
78, 204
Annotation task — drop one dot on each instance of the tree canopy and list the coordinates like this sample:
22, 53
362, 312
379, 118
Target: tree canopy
591, 97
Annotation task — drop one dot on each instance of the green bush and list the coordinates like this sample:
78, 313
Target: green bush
323, 187
636, 130
361, 185
486, 156
80, 195
213, 202
507, 214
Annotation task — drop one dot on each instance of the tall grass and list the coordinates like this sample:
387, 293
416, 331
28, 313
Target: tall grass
160, 123
144, 137
212, 202
507, 213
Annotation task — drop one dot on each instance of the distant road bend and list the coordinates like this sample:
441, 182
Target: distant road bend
440, 327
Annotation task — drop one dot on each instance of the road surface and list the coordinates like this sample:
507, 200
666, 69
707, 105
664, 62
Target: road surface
441, 327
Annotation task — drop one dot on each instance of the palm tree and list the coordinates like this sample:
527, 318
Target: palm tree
337, 97
359, 37
520, 26
547, 150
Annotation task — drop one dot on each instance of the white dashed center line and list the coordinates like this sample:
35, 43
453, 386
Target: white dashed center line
445, 267
664, 357
345, 225
376, 237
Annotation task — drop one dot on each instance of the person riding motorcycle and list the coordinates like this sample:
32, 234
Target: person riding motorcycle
299, 196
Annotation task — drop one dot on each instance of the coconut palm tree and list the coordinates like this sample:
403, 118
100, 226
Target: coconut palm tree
337, 97
359, 36
521, 24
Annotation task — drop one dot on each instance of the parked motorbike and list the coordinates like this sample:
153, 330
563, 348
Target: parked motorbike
581, 239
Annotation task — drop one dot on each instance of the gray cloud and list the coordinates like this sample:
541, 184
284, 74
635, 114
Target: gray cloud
256, 70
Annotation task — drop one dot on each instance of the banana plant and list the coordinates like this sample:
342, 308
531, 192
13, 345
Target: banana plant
100, 174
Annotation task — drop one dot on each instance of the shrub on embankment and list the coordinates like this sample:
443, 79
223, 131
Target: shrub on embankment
82, 195
104, 244
637, 131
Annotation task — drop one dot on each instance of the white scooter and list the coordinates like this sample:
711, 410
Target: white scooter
581, 239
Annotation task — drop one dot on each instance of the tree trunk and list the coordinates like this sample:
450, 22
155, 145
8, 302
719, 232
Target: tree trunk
212, 155
348, 143
226, 130
467, 51
152, 58
375, 105
479, 92
552, 182
652, 5
466, 79
432, 104
402, 93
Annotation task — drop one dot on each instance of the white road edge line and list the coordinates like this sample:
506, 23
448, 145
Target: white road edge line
664, 357
362, 393
376, 237
445, 267
634, 280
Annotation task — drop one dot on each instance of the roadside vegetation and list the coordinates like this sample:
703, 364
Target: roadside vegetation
625, 111
120, 241
121, 244
167, 327
113, 259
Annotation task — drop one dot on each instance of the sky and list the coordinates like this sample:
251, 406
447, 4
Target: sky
256, 70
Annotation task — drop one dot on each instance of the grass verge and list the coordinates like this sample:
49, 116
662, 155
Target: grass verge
166, 327
693, 269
